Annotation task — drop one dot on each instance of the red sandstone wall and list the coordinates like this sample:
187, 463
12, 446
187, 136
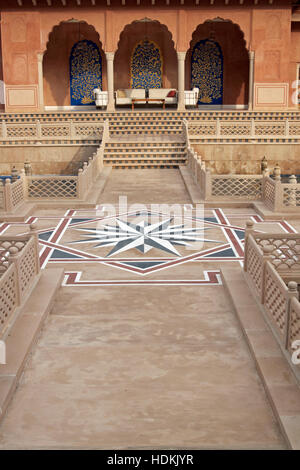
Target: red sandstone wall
271, 41
1, 77
56, 61
20, 43
271, 38
295, 57
267, 30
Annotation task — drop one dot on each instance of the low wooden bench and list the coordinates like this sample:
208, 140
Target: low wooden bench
147, 100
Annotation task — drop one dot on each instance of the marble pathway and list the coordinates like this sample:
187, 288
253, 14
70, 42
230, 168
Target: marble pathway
142, 348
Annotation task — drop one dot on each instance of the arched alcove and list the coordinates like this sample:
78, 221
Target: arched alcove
144, 33
207, 71
235, 60
56, 61
85, 72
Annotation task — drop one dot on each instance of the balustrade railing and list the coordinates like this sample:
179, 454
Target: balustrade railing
12, 194
212, 186
52, 186
19, 267
42, 187
244, 129
49, 131
275, 194
279, 196
272, 270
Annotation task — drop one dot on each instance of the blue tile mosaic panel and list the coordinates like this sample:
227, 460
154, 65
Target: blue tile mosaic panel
146, 65
207, 72
85, 72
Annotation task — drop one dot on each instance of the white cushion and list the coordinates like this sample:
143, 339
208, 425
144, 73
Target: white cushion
138, 93
123, 100
135, 93
171, 100
162, 93
157, 93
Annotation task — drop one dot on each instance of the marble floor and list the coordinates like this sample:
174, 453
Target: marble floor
142, 348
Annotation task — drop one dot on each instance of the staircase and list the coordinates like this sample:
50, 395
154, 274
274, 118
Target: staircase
148, 139
144, 123
145, 140
144, 153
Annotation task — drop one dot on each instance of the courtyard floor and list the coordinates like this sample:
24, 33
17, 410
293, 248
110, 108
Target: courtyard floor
142, 348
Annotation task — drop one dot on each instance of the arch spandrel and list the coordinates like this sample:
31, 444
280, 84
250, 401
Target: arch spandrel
50, 21
242, 22
168, 21
111, 24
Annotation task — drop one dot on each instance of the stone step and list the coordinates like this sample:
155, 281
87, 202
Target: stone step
145, 163
141, 148
141, 144
141, 166
147, 139
137, 131
148, 123
96, 115
153, 126
145, 157
168, 117
144, 126
146, 120
126, 156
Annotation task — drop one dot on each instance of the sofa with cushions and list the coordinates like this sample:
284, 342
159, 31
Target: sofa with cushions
168, 94
126, 96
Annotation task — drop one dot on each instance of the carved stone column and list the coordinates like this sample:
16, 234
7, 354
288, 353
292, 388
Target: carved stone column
110, 80
251, 79
181, 75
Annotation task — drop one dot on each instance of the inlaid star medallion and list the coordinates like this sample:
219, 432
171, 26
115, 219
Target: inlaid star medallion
143, 236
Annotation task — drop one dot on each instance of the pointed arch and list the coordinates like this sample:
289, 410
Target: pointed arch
56, 61
51, 32
145, 21
162, 56
235, 57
